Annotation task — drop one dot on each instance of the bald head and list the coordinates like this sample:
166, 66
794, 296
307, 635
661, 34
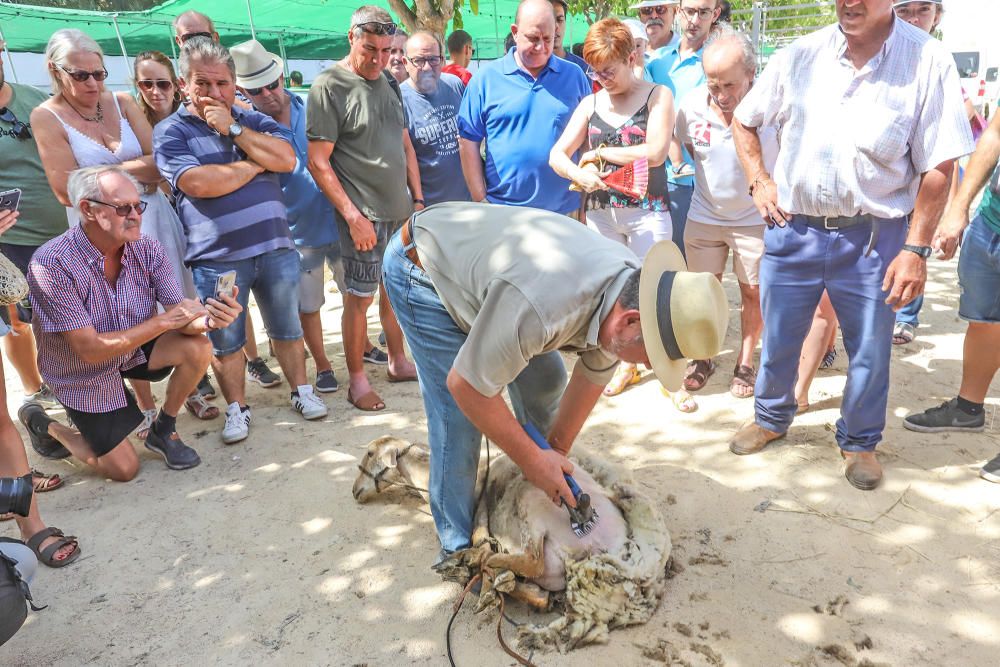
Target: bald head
535, 10
730, 64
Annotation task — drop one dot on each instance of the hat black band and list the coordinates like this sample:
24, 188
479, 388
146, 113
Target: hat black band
664, 322
271, 64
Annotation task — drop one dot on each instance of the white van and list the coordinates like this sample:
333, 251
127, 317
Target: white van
980, 79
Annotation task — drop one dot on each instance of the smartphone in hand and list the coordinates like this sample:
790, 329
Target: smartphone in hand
225, 284
10, 199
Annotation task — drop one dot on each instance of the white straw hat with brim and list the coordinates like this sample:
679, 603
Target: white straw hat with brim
637, 29
255, 67
684, 315
653, 3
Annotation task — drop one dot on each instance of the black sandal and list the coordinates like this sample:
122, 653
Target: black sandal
47, 555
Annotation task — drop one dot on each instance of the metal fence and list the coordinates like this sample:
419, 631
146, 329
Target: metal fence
773, 24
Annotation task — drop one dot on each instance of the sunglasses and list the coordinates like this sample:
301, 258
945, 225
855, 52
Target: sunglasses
274, 85
377, 27
649, 11
433, 61
20, 130
82, 75
149, 84
192, 35
124, 209
603, 75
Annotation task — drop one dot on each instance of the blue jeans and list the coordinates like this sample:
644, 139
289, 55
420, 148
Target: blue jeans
274, 279
680, 204
455, 442
799, 263
910, 313
979, 274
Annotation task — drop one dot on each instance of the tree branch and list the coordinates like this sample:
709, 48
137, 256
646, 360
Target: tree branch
405, 14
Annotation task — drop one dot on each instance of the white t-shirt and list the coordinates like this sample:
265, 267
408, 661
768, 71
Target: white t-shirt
720, 189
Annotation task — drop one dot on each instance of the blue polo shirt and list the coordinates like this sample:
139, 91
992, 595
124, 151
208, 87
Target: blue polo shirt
520, 118
243, 224
649, 56
577, 60
681, 76
310, 214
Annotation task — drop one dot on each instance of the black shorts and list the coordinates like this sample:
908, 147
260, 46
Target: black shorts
104, 431
20, 256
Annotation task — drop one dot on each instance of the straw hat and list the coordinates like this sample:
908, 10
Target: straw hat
684, 315
255, 67
653, 3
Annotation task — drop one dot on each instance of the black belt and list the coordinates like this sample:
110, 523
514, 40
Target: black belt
839, 222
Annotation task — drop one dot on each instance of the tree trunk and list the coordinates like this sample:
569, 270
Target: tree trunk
429, 15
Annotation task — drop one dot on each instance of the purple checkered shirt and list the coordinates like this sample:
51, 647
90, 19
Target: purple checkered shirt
69, 291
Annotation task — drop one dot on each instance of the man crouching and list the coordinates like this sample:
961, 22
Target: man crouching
94, 291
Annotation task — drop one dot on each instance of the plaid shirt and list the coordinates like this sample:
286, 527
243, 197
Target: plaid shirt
69, 291
856, 141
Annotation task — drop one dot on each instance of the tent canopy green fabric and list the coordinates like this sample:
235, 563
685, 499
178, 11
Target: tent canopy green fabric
306, 29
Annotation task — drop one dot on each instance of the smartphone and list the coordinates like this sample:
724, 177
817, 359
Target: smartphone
224, 284
10, 199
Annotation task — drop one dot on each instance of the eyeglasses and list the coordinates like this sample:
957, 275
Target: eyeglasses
124, 209
82, 75
691, 13
149, 84
20, 130
271, 86
192, 35
659, 10
418, 62
604, 75
377, 27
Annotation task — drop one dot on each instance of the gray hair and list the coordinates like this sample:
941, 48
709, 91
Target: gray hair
204, 50
725, 34
628, 299
368, 14
85, 183
194, 14
61, 44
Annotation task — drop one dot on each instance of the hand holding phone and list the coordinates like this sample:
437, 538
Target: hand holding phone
225, 284
10, 199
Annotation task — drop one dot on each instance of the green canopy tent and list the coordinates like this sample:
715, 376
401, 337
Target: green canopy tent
296, 29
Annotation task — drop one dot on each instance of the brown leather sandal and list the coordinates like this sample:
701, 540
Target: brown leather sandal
698, 372
48, 554
744, 378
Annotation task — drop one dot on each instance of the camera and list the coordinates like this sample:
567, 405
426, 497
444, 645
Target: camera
15, 494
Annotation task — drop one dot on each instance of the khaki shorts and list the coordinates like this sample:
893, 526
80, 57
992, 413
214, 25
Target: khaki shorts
707, 247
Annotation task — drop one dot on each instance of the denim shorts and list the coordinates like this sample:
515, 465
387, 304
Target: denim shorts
363, 270
311, 293
274, 279
979, 274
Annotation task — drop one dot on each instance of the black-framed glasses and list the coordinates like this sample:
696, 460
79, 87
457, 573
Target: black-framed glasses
191, 35
659, 10
602, 75
274, 85
149, 84
419, 62
20, 130
124, 209
82, 75
377, 27
691, 13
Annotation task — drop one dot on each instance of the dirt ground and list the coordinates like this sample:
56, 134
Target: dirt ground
261, 556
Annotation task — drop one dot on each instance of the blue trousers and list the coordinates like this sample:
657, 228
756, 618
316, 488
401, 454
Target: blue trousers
798, 264
680, 204
455, 442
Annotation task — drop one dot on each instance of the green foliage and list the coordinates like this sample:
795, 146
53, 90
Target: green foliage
96, 5
595, 10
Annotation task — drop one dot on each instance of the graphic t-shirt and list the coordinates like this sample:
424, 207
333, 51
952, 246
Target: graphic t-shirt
432, 121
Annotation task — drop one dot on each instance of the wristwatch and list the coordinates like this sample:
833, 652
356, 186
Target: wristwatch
235, 130
923, 251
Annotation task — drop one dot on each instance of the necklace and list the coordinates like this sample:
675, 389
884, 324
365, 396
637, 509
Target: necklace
97, 118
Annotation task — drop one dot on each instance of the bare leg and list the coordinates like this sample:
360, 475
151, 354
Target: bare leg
143, 394
312, 333
250, 347
751, 322
14, 463
292, 358
190, 356
229, 371
120, 464
354, 324
399, 365
20, 350
980, 360
814, 347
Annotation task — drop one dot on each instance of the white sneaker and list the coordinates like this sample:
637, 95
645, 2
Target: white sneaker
308, 404
237, 426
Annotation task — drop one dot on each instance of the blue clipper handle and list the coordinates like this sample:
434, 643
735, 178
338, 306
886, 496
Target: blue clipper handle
535, 435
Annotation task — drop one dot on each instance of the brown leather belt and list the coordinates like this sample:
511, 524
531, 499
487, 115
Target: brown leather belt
406, 236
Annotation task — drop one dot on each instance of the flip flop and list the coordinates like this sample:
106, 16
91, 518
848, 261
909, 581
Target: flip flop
624, 377
370, 402
47, 555
903, 333
400, 378
683, 401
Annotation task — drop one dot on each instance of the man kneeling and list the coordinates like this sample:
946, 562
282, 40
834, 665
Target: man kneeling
94, 291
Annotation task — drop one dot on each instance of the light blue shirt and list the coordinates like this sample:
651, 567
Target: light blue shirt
681, 76
520, 118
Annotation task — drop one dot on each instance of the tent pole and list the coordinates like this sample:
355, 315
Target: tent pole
10, 59
121, 42
281, 50
173, 47
253, 34
496, 31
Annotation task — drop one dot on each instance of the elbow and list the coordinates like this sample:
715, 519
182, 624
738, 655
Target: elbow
284, 161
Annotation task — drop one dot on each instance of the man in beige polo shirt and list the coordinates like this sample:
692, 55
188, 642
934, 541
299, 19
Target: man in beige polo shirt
488, 296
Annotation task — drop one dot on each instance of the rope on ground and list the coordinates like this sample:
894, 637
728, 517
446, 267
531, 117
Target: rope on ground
457, 607
508, 650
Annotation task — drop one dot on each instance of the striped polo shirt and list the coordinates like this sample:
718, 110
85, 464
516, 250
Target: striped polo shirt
69, 291
246, 223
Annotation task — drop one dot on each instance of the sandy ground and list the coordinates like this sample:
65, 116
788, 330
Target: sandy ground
261, 556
